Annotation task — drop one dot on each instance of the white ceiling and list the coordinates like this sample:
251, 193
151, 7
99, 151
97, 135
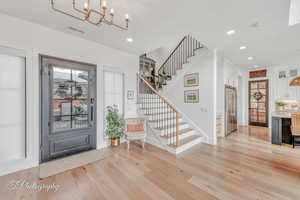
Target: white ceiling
156, 23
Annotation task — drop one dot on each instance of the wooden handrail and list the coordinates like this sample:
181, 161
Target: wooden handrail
175, 61
172, 53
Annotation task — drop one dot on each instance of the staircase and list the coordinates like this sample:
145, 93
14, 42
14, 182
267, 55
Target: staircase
184, 50
168, 127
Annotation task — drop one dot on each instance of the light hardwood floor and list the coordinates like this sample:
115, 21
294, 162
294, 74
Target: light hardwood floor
242, 166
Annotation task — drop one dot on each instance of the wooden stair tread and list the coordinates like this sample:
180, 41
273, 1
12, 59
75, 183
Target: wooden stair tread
181, 132
160, 113
171, 125
165, 119
186, 141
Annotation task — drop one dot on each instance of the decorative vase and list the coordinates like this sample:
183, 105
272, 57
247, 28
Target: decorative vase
115, 142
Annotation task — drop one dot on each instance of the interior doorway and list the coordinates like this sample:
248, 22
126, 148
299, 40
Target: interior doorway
258, 103
68, 101
230, 109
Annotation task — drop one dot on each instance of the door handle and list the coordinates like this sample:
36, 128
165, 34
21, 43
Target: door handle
92, 108
92, 113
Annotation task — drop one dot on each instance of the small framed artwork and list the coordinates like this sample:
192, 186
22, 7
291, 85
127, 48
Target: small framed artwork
293, 72
258, 73
282, 74
191, 96
130, 94
191, 80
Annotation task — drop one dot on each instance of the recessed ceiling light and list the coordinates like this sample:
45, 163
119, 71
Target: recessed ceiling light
250, 58
243, 47
230, 32
129, 40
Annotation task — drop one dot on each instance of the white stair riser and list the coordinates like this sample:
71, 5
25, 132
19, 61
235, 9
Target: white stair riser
173, 128
154, 111
188, 145
181, 137
160, 116
170, 122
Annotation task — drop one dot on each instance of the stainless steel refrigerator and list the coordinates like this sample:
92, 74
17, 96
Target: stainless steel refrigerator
230, 110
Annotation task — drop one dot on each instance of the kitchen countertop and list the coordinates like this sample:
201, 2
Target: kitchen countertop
283, 114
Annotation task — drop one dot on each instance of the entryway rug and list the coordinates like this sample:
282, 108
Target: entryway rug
71, 162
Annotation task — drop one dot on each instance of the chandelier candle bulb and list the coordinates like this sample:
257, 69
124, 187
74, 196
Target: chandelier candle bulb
104, 5
111, 15
112, 11
86, 5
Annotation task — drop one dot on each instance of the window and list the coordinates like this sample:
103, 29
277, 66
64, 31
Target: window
114, 90
12, 108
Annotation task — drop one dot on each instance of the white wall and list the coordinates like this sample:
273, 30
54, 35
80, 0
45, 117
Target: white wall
12, 108
159, 55
229, 74
34, 40
203, 114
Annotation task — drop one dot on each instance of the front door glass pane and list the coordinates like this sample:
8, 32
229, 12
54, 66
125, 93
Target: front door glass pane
69, 99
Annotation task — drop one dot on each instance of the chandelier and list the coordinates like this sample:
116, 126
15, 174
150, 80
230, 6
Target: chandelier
103, 17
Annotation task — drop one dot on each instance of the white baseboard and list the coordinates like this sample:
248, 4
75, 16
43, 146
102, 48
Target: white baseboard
16, 165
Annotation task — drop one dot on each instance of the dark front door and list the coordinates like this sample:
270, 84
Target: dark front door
258, 103
68, 108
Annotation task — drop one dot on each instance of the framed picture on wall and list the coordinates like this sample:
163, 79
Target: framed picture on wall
130, 94
293, 72
191, 96
258, 73
191, 80
282, 74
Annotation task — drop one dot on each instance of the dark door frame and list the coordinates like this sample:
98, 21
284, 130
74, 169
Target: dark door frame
267, 104
42, 122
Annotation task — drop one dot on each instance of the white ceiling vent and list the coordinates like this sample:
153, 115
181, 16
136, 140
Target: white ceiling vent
294, 12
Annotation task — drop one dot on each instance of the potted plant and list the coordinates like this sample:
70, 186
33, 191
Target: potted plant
114, 125
280, 105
